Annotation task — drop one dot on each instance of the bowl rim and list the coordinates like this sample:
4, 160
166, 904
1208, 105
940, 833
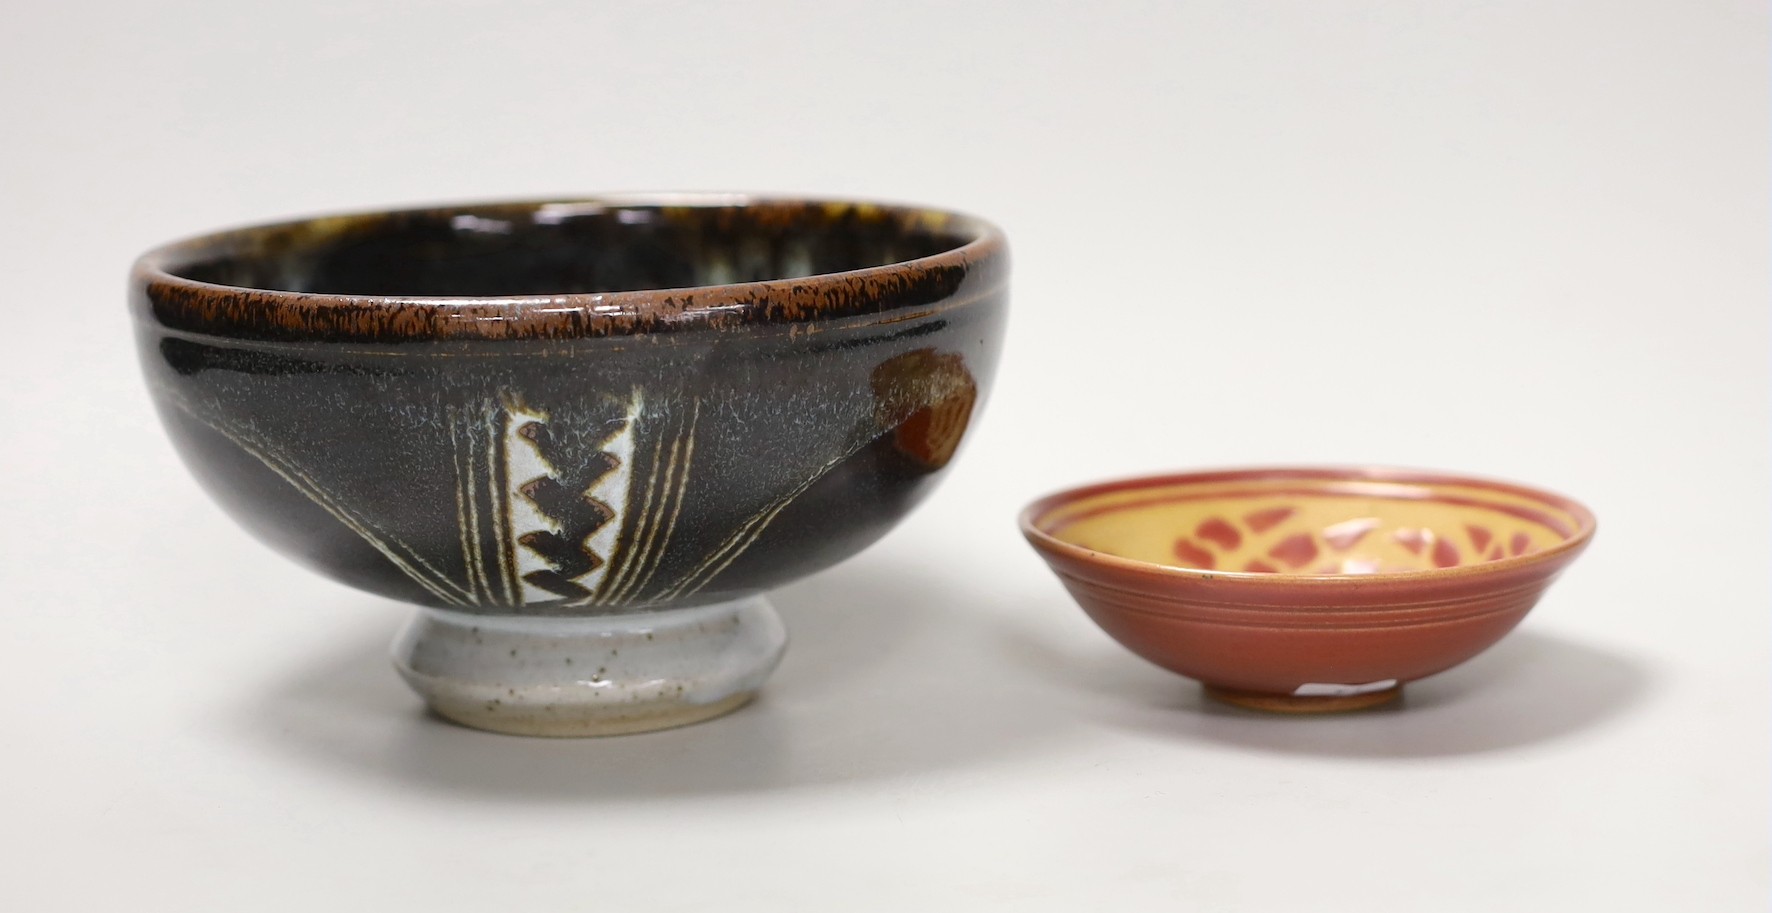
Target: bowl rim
1550, 557
915, 288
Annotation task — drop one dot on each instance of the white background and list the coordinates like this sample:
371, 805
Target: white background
1525, 239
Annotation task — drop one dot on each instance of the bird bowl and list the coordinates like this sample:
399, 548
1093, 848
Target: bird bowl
1307, 590
584, 436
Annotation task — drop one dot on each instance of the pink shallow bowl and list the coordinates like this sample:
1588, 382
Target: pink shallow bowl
1307, 589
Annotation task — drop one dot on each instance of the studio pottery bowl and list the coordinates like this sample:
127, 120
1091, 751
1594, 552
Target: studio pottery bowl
1307, 590
584, 436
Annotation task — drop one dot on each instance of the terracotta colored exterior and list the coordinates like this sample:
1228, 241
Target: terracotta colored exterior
1270, 633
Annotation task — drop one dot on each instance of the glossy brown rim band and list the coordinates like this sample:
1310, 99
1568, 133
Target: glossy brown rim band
880, 294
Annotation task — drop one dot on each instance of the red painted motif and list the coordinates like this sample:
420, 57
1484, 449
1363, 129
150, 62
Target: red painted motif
1193, 555
1263, 520
1296, 550
1219, 532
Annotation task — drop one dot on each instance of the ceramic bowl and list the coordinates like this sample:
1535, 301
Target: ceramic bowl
1305, 590
584, 435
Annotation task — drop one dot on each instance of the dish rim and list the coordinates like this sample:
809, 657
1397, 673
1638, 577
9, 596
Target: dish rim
1547, 558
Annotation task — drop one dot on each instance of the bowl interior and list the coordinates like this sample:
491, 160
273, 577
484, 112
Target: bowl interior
1312, 522
568, 248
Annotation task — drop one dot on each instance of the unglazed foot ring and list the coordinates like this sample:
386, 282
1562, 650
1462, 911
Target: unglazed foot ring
608, 675
1305, 703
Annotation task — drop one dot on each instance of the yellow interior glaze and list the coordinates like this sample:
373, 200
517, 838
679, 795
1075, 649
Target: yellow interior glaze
1311, 526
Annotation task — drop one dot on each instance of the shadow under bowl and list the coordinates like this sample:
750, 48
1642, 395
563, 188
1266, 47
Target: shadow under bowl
1307, 590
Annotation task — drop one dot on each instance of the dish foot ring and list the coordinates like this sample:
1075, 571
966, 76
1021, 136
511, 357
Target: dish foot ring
1327, 700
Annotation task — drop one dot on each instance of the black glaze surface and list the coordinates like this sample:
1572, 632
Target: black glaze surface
525, 251
584, 475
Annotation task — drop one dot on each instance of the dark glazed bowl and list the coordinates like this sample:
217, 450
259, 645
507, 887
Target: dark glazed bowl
616, 414
1307, 590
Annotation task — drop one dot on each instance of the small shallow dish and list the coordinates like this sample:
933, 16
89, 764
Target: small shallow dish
1307, 589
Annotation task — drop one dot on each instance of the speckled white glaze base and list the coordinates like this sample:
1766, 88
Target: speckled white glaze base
591, 676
